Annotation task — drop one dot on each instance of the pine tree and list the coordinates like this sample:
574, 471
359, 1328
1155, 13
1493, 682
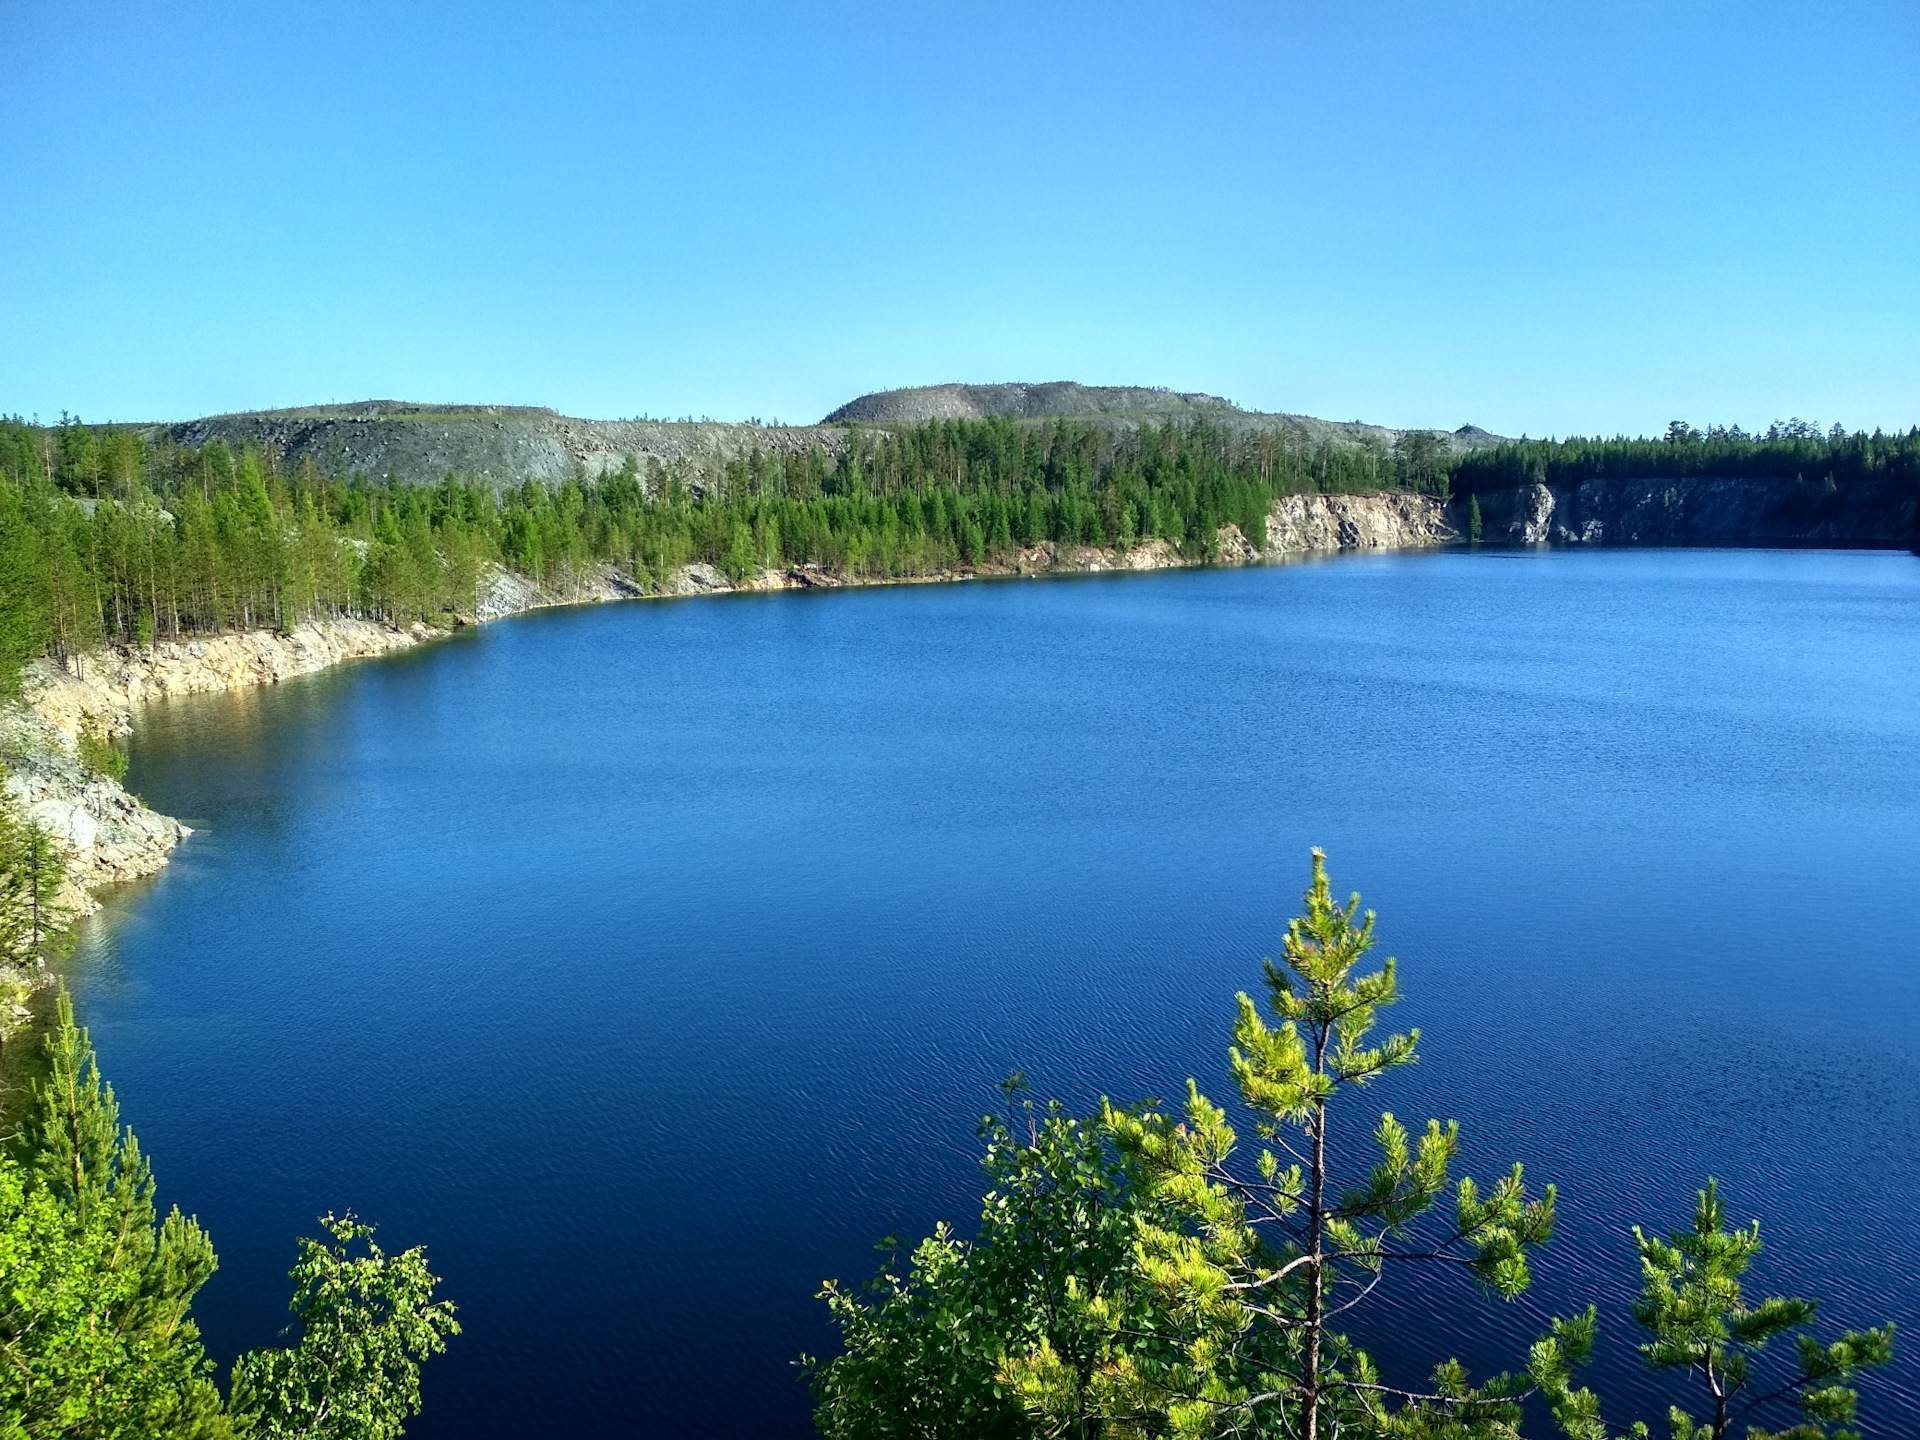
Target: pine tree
94, 1316
1257, 1266
33, 910
25, 589
1691, 1302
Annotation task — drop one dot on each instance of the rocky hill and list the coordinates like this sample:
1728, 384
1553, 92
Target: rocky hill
505, 444
1132, 404
1114, 404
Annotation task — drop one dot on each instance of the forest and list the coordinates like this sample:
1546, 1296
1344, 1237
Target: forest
105, 537
109, 537
1797, 450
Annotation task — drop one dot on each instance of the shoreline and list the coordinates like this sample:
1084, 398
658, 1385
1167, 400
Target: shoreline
112, 837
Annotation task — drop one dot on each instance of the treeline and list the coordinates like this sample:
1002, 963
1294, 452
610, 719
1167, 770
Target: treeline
105, 536
1171, 1271
108, 537
1795, 450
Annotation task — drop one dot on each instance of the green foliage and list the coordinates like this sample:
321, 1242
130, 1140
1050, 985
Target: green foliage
24, 600
1139, 1279
1699, 1321
99, 754
1253, 1261
367, 1321
742, 559
105, 536
1134, 1278
33, 911
923, 1353
93, 1317
1475, 526
96, 1334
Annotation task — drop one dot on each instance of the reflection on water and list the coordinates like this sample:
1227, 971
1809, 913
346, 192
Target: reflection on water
650, 962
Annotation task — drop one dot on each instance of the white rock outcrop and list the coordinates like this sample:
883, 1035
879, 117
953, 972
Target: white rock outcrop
108, 834
112, 836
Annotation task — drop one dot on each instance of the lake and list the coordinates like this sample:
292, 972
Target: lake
650, 962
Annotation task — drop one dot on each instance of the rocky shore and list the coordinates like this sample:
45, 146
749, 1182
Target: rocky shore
108, 834
111, 837
1698, 510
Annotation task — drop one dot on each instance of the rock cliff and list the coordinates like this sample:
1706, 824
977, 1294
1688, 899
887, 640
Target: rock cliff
109, 835
1697, 510
1393, 521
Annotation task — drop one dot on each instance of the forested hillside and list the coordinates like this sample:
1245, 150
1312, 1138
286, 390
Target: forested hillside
108, 534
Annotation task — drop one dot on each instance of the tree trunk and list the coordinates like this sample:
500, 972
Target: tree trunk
1316, 1226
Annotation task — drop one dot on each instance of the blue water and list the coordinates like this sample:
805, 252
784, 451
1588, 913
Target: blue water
649, 962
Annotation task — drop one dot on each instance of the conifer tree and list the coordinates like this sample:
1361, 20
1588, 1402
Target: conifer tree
1260, 1262
96, 1338
1699, 1321
93, 1319
33, 911
25, 586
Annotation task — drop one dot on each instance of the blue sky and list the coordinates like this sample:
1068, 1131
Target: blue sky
1539, 217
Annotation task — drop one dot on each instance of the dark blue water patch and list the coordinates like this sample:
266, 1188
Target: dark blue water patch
650, 962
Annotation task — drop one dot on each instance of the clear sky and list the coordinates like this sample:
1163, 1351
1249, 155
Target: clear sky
1541, 217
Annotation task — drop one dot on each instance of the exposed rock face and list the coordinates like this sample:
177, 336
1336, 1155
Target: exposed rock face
1698, 510
1357, 522
106, 687
503, 592
1094, 559
1522, 516
1017, 401
109, 834
1118, 405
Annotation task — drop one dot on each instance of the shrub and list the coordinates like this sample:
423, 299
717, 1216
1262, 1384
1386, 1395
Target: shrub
100, 755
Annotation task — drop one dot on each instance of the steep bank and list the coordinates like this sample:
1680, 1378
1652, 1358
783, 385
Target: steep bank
111, 837
1699, 510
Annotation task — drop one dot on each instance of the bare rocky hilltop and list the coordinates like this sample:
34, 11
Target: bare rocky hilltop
417, 444
413, 444
1115, 404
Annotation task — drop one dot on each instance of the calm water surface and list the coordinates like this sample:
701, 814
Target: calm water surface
651, 961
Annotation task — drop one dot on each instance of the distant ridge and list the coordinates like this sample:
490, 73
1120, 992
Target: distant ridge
413, 443
1118, 405
1046, 400
393, 410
